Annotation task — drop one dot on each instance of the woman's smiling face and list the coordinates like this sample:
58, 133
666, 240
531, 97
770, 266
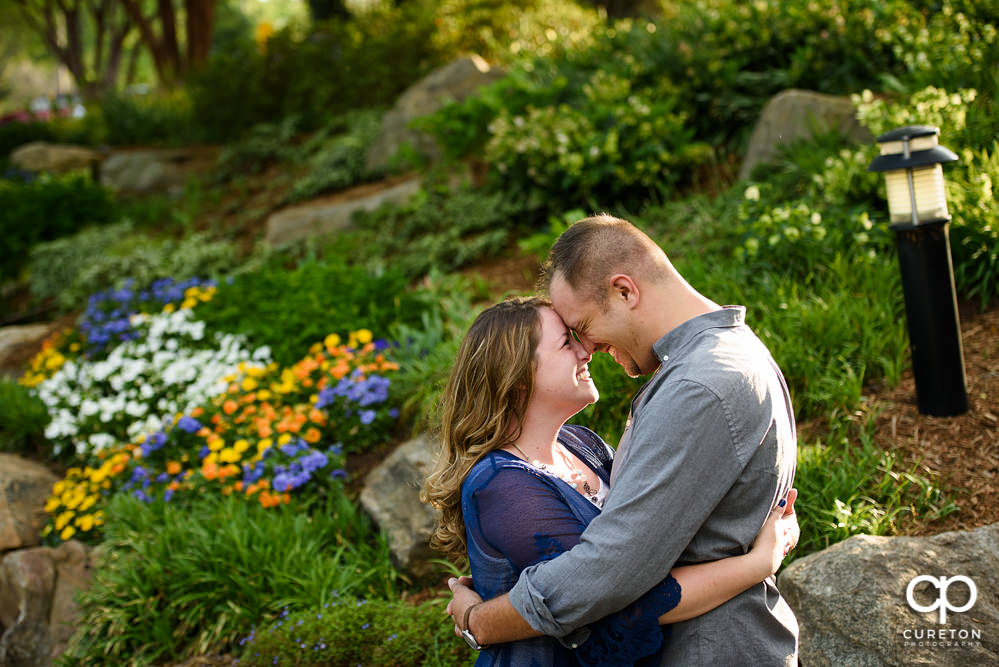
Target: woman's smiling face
561, 377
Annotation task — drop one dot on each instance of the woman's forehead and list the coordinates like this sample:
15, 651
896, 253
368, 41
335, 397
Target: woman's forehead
551, 324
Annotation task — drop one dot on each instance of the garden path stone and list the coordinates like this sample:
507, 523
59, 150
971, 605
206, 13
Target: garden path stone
147, 171
454, 81
798, 114
14, 339
57, 158
391, 497
852, 609
330, 214
24, 488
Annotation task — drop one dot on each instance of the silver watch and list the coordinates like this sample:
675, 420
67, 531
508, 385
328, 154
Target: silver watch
467, 635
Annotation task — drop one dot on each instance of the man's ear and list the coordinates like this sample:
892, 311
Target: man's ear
624, 289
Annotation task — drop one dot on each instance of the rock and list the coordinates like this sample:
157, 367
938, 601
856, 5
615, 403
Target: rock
14, 340
145, 171
852, 605
454, 81
798, 114
391, 497
24, 488
327, 215
38, 610
58, 158
74, 569
27, 579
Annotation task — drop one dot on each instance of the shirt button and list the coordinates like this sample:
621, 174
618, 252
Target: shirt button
665, 357
575, 645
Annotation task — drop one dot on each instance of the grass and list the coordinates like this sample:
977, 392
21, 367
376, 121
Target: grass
849, 485
178, 581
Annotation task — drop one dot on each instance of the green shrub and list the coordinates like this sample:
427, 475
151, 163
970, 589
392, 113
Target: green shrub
363, 62
290, 310
349, 631
71, 269
966, 127
47, 208
178, 581
499, 30
263, 145
162, 118
439, 229
23, 418
16, 134
336, 155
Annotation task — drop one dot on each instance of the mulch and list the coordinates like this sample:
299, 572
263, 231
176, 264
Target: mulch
961, 454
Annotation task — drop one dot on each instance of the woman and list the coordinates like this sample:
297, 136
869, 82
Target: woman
515, 486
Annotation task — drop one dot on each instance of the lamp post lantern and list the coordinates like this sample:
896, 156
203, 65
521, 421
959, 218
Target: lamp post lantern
911, 160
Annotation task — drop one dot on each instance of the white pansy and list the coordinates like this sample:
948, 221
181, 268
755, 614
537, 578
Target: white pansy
164, 364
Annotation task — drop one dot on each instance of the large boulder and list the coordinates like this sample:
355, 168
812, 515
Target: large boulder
391, 497
38, 610
57, 158
454, 81
24, 488
331, 214
855, 607
799, 114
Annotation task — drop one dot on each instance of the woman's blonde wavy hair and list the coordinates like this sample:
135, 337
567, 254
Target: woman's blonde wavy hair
482, 408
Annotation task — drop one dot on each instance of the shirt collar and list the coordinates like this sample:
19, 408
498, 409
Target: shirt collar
674, 340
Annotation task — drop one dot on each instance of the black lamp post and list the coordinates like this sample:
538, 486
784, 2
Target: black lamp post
911, 160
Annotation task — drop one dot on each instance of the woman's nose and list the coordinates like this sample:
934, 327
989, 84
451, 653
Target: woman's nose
583, 349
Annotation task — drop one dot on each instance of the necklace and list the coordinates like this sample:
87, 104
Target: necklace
574, 478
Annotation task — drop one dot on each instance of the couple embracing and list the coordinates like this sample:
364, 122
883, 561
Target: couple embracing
662, 552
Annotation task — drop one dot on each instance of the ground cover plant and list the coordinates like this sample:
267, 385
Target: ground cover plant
240, 565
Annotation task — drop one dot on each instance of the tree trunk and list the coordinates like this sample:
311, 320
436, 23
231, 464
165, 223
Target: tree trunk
200, 22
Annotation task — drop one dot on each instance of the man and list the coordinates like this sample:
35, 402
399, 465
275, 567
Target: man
709, 450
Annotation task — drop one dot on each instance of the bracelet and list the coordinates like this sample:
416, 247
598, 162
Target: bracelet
468, 614
466, 634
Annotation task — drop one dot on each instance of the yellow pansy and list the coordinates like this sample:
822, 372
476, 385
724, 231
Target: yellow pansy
284, 438
264, 444
87, 503
52, 504
67, 533
364, 336
85, 523
63, 519
215, 444
228, 455
263, 395
241, 445
248, 384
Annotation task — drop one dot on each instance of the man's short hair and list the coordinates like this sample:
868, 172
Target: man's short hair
595, 248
